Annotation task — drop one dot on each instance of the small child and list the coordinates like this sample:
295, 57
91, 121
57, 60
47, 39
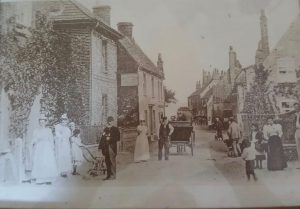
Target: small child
260, 150
76, 145
249, 157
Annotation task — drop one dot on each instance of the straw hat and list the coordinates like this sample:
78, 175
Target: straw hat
64, 117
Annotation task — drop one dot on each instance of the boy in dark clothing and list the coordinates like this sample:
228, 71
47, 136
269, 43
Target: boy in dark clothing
249, 157
165, 131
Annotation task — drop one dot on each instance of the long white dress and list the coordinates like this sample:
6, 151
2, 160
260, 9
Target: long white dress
77, 156
44, 168
141, 151
63, 148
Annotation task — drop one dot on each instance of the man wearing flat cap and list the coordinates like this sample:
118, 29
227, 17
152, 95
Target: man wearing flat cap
108, 145
165, 131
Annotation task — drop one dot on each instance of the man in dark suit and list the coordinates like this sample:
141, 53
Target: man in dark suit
108, 145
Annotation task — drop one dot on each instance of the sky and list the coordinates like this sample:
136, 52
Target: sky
193, 35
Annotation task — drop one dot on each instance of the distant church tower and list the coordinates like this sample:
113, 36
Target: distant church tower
160, 63
263, 49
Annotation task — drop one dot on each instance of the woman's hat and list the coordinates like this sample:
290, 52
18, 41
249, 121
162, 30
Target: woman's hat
64, 116
42, 117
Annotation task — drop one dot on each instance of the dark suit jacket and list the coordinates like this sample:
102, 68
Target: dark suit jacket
114, 135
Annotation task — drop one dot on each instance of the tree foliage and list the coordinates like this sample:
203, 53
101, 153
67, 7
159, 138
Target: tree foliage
169, 96
257, 100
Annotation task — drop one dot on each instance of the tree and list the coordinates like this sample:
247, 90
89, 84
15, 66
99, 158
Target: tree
44, 59
169, 96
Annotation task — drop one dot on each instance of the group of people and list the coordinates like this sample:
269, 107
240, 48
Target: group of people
141, 151
261, 142
55, 154
60, 154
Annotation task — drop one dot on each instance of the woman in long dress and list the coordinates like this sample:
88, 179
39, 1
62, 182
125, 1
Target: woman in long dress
63, 146
275, 155
141, 151
44, 169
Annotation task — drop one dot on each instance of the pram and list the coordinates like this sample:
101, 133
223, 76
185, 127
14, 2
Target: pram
229, 144
95, 159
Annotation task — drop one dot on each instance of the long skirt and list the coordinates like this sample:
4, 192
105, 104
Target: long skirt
141, 151
276, 158
64, 156
44, 167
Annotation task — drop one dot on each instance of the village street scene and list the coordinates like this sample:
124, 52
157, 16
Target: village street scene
149, 104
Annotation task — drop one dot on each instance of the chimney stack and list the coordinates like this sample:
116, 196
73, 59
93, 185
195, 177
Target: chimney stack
125, 28
103, 13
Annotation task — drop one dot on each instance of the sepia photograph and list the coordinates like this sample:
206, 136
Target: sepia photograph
149, 103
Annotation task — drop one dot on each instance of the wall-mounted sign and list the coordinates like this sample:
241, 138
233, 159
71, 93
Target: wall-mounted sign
286, 70
129, 79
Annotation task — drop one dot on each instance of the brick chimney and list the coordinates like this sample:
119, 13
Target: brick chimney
125, 28
103, 13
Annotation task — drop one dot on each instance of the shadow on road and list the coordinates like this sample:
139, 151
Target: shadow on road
248, 193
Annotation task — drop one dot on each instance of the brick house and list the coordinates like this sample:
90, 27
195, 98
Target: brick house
140, 82
98, 82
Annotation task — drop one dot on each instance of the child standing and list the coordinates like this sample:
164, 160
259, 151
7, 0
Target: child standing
260, 150
77, 156
249, 156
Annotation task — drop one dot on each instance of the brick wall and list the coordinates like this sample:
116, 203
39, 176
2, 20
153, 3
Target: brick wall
83, 35
104, 79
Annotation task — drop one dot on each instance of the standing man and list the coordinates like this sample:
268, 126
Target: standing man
165, 131
234, 134
108, 145
219, 128
297, 133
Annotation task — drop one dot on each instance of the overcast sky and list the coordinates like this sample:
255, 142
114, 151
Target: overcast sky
194, 34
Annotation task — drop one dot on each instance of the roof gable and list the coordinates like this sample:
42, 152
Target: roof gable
288, 45
139, 56
72, 10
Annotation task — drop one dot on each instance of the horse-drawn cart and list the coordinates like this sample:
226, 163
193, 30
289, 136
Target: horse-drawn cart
182, 136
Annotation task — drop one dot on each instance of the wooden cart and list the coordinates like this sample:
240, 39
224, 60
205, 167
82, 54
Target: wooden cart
182, 136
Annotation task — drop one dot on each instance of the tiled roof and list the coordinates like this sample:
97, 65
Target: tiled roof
209, 93
72, 10
197, 92
139, 56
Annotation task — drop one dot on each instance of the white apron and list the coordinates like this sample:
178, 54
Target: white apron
44, 167
63, 148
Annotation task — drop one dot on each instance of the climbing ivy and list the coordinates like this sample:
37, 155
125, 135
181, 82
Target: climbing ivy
42, 59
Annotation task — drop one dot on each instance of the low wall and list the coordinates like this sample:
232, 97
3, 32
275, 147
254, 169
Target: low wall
288, 129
